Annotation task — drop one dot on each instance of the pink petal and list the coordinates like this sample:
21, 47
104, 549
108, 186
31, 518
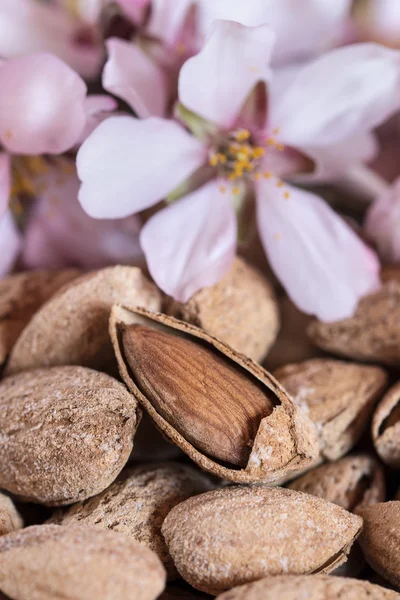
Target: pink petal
133, 76
134, 9
97, 108
59, 233
191, 244
5, 182
10, 243
216, 82
346, 92
41, 105
128, 164
167, 19
320, 261
28, 26
380, 20
382, 224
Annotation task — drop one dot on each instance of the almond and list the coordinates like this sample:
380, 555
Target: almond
386, 427
240, 310
21, 295
66, 433
338, 396
309, 587
380, 539
352, 482
48, 562
10, 519
236, 535
71, 328
223, 410
372, 334
138, 502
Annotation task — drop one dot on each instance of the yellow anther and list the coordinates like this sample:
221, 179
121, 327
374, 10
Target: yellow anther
280, 147
267, 174
280, 184
222, 158
286, 195
232, 177
258, 152
257, 176
213, 160
271, 141
236, 191
242, 134
276, 131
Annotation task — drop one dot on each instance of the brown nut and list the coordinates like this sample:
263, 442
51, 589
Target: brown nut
223, 410
338, 396
236, 535
72, 327
380, 539
309, 587
372, 334
240, 310
386, 427
47, 562
10, 519
138, 502
21, 295
66, 433
352, 482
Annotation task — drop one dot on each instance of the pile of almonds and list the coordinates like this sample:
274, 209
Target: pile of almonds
146, 453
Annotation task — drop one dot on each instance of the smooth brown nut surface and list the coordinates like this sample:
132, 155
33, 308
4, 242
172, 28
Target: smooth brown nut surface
236, 535
66, 433
194, 393
386, 427
352, 482
48, 562
138, 502
21, 295
380, 539
372, 334
10, 519
241, 310
338, 396
309, 587
72, 327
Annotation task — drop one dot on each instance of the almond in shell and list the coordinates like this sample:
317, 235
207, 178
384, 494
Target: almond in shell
10, 519
386, 427
227, 413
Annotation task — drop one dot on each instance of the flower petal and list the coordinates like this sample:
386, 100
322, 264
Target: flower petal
10, 243
41, 105
216, 82
323, 265
131, 75
59, 233
129, 164
27, 27
191, 244
167, 20
97, 108
382, 224
346, 92
134, 9
5, 182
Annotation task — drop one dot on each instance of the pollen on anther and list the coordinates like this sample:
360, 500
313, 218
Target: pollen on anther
280, 184
276, 131
286, 195
236, 191
267, 174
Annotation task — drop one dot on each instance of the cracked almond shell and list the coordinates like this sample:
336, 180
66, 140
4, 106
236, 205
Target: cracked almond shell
72, 327
240, 310
236, 535
386, 427
48, 562
338, 396
137, 503
285, 441
309, 587
372, 334
380, 539
352, 482
10, 519
21, 295
66, 433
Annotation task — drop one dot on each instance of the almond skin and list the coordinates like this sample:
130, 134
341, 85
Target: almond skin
386, 427
372, 334
10, 519
137, 503
241, 310
285, 440
66, 433
213, 406
309, 587
21, 295
380, 539
71, 328
338, 396
236, 535
48, 562
352, 482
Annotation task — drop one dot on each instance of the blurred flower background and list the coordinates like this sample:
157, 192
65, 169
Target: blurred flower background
174, 134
